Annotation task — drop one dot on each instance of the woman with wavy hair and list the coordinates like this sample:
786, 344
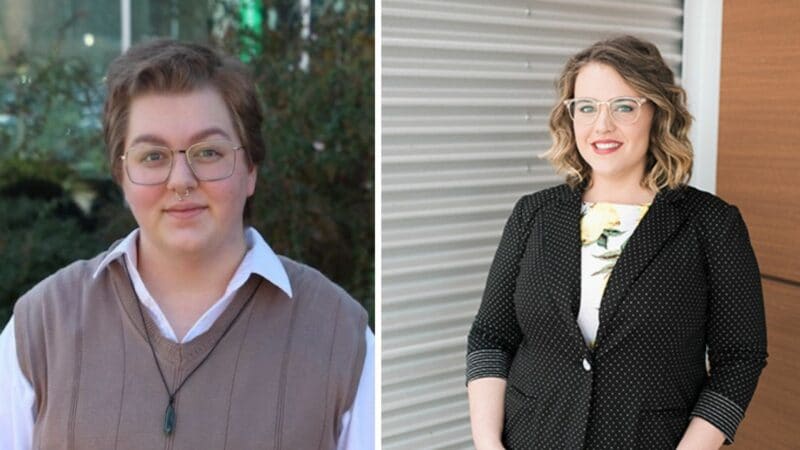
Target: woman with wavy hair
623, 308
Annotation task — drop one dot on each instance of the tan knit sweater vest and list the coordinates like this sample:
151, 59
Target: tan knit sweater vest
280, 379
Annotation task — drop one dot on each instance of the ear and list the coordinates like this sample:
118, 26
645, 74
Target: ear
252, 175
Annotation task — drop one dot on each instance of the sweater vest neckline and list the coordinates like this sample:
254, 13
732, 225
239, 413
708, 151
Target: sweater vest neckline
184, 353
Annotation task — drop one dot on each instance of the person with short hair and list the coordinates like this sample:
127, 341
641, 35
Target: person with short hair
189, 333
607, 292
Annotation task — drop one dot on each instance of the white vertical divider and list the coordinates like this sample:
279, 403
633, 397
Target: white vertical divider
702, 54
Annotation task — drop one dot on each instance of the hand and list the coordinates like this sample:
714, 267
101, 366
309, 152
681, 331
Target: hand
701, 435
486, 400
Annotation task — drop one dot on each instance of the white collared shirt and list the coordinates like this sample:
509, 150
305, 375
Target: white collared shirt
17, 397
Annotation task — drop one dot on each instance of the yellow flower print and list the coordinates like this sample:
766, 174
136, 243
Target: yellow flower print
599, 222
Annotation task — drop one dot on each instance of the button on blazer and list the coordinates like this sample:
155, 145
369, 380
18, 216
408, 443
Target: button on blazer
687, 282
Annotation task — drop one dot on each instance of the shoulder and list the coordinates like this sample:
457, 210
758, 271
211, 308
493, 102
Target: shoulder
718, 223
709, 211
51, 312
528, 206
310, 286
546, 197
56, 295
703, 202
327, 317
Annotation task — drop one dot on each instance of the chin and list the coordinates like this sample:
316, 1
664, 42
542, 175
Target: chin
613, 168
605, 170
186, 241
184, 247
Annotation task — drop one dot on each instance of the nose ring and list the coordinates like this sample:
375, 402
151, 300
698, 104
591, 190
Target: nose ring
184, 196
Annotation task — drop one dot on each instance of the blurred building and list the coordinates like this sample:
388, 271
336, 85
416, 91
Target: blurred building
97, 30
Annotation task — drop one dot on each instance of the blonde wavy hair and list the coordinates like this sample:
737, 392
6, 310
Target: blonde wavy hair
669, 156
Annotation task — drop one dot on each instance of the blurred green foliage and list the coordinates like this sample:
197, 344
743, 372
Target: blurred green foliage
314, 200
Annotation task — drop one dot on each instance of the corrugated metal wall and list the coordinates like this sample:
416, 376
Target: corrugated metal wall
467, 88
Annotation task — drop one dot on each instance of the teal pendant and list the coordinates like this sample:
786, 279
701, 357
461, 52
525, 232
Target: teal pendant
169, 419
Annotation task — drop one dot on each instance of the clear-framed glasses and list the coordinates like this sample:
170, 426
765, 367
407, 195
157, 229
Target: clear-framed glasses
623, 110
149, 164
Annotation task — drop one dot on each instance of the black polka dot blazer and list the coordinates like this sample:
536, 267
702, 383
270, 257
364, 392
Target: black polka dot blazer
687, 279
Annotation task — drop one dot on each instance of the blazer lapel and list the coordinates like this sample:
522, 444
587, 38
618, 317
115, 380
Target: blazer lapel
661, 221
561, 245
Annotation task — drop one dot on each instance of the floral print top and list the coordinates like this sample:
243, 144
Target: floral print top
605, 229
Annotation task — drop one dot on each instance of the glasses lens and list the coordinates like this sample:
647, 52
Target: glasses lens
625, 110
212, 160
148, 164
583, 110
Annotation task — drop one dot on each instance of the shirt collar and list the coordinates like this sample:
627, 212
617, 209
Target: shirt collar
260, 259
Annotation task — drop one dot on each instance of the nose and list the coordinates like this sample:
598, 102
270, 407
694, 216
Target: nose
604, 122
181, 177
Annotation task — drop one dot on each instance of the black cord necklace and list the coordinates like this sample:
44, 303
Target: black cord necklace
170, 417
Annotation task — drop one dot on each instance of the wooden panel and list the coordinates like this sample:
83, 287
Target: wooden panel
758, 157
771, 421
758, 168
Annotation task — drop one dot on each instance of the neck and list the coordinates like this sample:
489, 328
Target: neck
185, 269
185, 285
628, 191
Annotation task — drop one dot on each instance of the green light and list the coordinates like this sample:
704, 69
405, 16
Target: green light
251, 15
251, 19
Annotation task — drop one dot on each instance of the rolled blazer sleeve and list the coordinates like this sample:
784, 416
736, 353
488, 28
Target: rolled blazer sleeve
735, 329
495, 333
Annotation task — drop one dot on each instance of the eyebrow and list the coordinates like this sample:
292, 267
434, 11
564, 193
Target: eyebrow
202, 134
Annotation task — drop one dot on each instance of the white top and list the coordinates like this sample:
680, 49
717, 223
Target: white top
17, 397
605, 228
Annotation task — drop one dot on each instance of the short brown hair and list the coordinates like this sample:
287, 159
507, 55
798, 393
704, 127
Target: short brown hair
639, 63
168, 66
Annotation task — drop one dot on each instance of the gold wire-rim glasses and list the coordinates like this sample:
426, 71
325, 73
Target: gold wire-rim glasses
187, 152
